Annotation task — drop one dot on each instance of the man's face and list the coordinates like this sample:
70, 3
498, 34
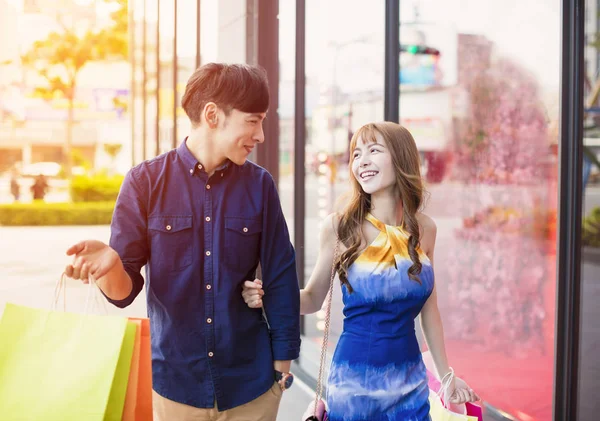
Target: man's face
239, 133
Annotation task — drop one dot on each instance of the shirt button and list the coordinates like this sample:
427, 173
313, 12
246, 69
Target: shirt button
199, 166
168, 227
192, 171
208, 219
209, 320
210, 354
221, 174
208, 287
245, 229
208, 186
208, 253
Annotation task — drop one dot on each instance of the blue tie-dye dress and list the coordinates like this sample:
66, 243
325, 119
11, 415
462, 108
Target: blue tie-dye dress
377, 372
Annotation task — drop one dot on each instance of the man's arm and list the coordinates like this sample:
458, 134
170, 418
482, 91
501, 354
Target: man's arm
128, 236
282, 293
116, 268
95, 260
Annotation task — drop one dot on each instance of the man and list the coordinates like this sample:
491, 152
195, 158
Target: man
201, 218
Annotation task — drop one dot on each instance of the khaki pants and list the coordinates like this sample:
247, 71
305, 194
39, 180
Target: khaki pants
263, 408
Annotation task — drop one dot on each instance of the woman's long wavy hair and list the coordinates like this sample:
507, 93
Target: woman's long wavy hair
409, 190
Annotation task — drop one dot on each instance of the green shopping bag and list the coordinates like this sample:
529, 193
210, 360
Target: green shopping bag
116, 401
57, 366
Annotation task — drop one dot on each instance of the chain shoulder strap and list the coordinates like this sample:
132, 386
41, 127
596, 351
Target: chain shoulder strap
319, 391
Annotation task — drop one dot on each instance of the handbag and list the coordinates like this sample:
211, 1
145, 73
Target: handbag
317, 410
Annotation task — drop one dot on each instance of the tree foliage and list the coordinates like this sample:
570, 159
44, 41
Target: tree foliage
60, 57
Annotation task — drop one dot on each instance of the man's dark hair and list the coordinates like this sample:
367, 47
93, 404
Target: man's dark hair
230, 86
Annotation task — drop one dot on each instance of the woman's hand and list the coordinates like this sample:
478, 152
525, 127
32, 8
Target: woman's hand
460, 392
252, 292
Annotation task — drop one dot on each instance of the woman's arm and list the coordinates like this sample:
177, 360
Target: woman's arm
433, 329
314, 293
431, 321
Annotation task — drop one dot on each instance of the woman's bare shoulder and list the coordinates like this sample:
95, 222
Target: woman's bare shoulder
426, 222
428, 232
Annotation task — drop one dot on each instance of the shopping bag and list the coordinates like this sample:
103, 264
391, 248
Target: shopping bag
58, 366
138, 402
132, 385
472, 409
116, 400
143, 409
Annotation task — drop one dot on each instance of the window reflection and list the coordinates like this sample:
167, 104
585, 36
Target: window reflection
344, 90
483, 114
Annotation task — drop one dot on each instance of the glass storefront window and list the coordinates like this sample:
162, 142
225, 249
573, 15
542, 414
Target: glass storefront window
165, 83
484, 114
137, 103
287, 80
151, 9
186, 57
223, 37
344, 90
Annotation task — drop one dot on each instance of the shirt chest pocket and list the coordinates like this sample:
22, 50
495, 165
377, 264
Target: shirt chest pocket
171, 242
242, 242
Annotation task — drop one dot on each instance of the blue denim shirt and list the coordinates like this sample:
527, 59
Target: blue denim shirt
200, 238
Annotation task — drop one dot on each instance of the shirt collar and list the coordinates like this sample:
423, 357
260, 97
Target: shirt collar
191, 163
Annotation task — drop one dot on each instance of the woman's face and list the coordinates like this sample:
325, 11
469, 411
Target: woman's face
372, 165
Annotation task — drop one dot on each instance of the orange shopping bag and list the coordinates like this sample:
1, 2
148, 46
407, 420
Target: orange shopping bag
138, 402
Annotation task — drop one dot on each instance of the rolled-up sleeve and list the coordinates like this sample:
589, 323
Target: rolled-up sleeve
128, 234
280, 280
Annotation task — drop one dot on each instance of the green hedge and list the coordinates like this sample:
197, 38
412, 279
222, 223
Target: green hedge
40, 213
591, 229
96, 188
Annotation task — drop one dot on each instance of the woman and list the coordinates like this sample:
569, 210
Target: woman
385, 265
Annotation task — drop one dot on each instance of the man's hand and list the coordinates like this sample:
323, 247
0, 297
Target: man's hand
283, 366
252, 293
92, 259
